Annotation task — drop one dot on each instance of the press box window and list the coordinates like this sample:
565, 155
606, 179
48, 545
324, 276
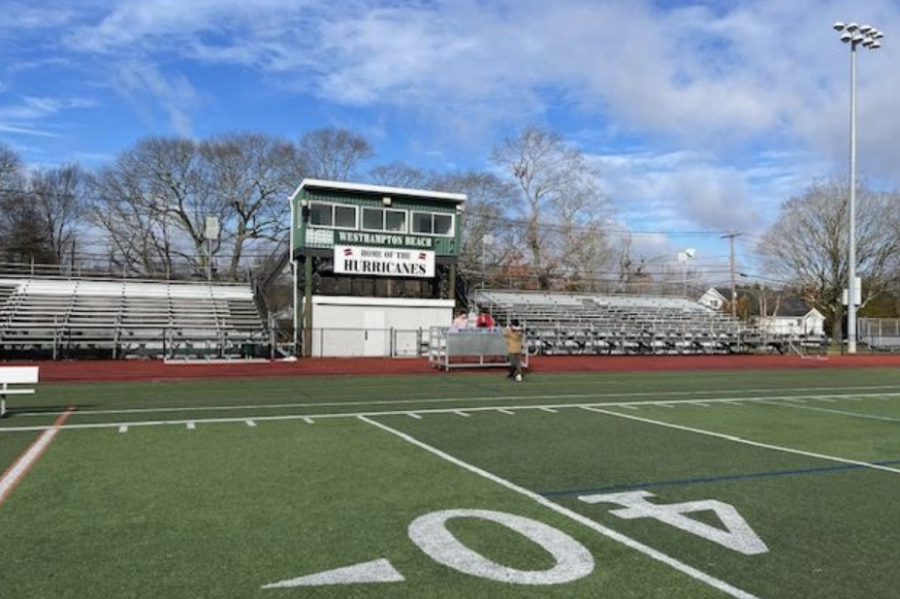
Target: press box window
376, 219
432, 224
332, 216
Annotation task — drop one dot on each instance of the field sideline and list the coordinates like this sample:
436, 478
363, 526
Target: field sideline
691, 484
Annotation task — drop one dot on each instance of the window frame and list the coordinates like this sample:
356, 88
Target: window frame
451, 231
334, 206
384, 212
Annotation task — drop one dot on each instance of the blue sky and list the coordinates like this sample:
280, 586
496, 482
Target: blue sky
703, 115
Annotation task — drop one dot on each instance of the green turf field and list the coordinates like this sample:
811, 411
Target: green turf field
766, 484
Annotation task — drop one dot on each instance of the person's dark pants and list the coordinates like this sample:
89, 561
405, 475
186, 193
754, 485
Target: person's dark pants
515, 365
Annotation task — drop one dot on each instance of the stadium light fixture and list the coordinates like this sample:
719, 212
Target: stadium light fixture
868, 36
683, 257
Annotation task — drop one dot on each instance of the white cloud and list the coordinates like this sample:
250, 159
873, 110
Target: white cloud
32, 115
174, 95
701, 74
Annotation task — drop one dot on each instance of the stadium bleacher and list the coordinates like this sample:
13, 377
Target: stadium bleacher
121, 318
605, 324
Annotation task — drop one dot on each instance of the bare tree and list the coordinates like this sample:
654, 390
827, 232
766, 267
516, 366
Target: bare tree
10, 194
153, 202
252, 175
38, 214
808, 245
332, 154
487, 238
59, 200
10, 168
562, 206
398, 174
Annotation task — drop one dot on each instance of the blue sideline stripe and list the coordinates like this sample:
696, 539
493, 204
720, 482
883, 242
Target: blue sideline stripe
714, 479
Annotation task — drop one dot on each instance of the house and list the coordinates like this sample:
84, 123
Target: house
770, 310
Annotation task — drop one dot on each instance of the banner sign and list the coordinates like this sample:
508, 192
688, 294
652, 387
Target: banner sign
391, 239
383, 262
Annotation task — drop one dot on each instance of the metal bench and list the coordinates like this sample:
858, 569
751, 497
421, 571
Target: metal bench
15, 375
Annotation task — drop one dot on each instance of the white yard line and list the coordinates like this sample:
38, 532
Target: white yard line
308, 418
502, 411
123, 429
463, 414
734, 439
250, 423
703, 577
414, 415
834, 411
14, 475
593, 396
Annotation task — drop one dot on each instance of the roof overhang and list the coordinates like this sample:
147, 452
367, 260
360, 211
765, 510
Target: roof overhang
457, 198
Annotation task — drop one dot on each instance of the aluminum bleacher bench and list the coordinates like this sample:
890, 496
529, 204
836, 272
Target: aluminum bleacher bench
15, 375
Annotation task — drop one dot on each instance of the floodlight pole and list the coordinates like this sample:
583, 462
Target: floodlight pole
851, 286
869, 37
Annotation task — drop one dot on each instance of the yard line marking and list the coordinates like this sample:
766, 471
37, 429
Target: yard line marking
630, 407
716, 583
308, 418
826, 399
14, 475
414, 415
834, 411
191, 426
711, 479
250, 423
506, 412
734, 439
666, 405
220, 408
123, 428
458, 413
549, 410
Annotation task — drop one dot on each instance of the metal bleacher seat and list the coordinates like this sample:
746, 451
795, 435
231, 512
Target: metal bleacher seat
123, 317
584, 323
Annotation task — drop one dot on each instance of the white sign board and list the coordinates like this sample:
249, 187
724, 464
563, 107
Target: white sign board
212, 227
383, 262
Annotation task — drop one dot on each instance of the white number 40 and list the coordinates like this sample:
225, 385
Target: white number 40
737, 534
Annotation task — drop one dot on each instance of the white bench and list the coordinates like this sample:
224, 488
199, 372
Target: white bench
15, 375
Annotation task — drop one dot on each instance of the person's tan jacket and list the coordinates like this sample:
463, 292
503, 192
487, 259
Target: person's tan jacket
513, 340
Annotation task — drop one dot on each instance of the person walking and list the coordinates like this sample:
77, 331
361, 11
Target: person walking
513, 335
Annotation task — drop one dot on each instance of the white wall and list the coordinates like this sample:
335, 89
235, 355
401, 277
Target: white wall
371, 326
811, 324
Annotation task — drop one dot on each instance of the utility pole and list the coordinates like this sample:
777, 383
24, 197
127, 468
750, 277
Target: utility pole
731, 235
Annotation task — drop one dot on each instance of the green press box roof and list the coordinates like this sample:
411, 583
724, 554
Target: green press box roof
391, 198
312, 186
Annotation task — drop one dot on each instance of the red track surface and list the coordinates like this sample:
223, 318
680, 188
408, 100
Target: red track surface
154, 370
